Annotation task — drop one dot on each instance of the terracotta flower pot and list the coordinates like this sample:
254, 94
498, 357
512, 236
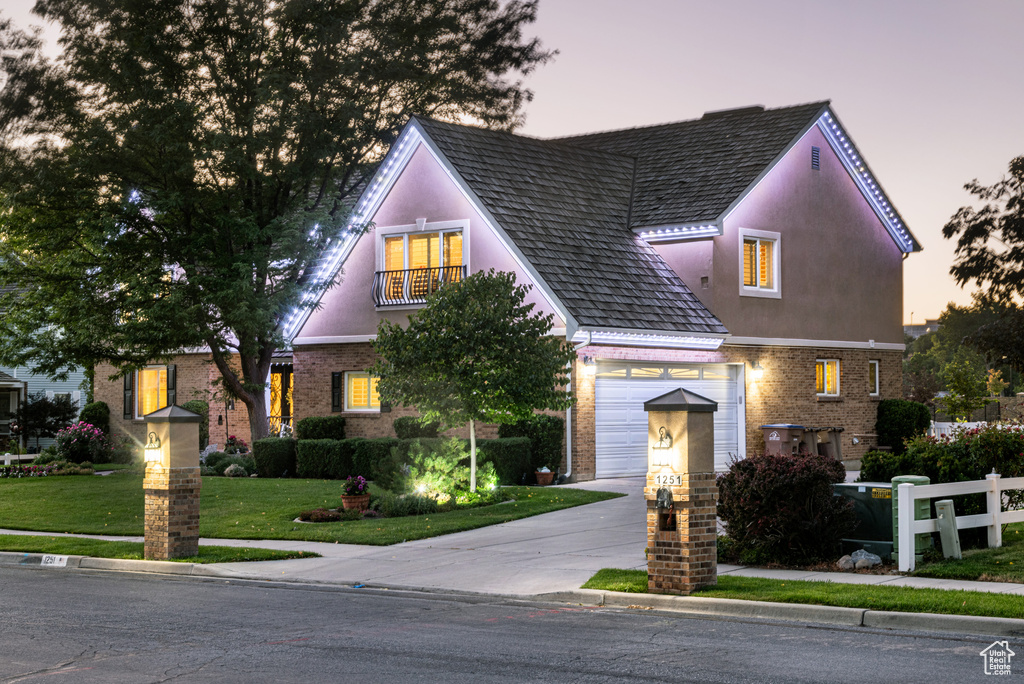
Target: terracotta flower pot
357, 502
544, 479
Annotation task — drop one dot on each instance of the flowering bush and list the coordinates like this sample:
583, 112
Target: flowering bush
27, 471
82, 442
235, 445
355, 486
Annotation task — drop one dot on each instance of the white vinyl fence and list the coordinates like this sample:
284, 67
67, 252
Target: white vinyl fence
993, 518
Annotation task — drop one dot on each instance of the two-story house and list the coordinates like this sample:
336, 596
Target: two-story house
749, 256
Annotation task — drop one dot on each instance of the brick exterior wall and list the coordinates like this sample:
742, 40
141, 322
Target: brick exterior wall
312, 366
171, 512
785, 394
195, 376
682, 557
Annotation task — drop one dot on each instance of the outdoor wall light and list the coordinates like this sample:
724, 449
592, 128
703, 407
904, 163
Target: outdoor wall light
757, 372
153, 451
220, 420
589, 365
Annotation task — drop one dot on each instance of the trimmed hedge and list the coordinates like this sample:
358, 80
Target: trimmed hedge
96, 414
320, 427
202, 408
410, 427
546, 434
512, 457
900, 420
324, 459
275, 456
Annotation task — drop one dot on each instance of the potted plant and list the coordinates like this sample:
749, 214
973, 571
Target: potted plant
355, 493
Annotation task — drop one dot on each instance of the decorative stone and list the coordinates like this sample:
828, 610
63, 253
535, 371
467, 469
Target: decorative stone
863, 564
845, 563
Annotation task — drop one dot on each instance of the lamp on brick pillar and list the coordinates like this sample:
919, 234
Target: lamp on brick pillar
681, 493
171, 484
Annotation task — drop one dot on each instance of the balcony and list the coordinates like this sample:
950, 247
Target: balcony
412, 286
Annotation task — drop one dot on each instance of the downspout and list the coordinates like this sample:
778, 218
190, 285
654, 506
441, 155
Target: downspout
568, 415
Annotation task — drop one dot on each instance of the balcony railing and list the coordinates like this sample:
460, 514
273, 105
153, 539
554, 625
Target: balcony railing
412, 286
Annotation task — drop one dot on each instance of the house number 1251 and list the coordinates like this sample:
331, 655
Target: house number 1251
668, 479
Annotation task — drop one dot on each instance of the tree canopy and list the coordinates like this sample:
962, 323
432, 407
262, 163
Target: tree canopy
475, 352
172, 180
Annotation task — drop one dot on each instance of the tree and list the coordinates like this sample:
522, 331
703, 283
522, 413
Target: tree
475, 352
995, 383
965, 379
175, 179
40, 416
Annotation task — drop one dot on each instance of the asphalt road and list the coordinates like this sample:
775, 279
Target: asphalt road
75, 626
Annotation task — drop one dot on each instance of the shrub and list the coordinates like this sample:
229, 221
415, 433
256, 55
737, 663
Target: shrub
780, 507
98, 414
218, 462
82, 442
441, 470
900, 420
275, 456
512, 457
324, 459
321, 427
392, 505
546, 434
235, 445
123, 449
382, 459
202, 408
410, 427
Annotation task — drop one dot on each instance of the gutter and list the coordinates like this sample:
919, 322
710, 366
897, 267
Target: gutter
568, 415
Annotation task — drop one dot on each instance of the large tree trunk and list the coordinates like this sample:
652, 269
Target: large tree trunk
250, 387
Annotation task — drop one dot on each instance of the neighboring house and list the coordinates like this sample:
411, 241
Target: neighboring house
930, 325
749, 256
16, 383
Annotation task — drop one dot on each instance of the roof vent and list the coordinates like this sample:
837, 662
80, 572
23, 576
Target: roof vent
815, 158
720, 113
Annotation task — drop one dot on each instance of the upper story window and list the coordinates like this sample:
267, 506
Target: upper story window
873, 377
826, 377
759, 263
414, 261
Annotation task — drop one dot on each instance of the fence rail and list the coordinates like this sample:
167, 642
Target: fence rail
993, 518
412, 286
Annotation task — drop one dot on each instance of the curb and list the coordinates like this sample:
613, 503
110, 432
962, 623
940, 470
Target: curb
793, 612
696, 606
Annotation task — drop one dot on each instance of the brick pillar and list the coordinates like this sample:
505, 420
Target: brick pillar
681, 493
171, 484
172, 512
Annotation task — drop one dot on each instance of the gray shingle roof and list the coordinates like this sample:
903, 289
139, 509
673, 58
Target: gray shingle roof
691, 171
566, 208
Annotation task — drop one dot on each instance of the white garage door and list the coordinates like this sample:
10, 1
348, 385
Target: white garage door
621, 422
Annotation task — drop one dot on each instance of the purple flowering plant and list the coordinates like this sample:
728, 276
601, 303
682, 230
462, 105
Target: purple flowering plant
26, 471
354, 486
82, 442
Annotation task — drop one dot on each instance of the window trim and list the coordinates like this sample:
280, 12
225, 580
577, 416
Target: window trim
873, 373
346, 399
421, 226
774, 292
839, 370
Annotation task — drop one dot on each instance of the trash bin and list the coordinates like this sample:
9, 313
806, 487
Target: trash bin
872, 504
825, 441
782, 438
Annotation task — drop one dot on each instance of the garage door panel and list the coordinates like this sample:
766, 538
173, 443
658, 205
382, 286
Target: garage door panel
621, 422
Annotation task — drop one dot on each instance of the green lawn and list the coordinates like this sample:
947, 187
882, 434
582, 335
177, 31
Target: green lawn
98, 548
250, 508
873, 597
1005, 564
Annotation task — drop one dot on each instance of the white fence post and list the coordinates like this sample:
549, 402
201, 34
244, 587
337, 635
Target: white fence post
905, 525
994, 499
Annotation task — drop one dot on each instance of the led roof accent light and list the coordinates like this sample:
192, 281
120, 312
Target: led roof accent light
682, 232
862, 176
337, 251
650, 340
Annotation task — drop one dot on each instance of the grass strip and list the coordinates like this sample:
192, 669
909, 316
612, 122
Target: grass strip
251, 508
1004, 564
872, 597
99, 548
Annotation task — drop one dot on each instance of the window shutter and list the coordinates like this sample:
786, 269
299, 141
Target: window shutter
336, 391
129, 395
172, 385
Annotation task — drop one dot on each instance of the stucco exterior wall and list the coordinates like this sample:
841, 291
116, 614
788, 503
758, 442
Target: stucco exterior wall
422, 191
841, 273
195, 376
